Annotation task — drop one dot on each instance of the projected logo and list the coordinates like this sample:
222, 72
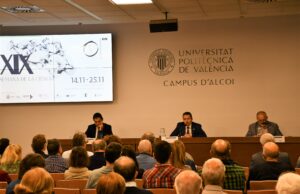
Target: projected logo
161, 62
43, 54
90, 48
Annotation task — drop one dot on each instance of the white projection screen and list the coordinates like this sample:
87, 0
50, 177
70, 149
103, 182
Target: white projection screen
56, 68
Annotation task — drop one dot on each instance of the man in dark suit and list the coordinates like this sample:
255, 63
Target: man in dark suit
98, 129
126, 167
188, 128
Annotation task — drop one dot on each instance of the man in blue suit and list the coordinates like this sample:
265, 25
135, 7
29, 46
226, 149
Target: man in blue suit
188, 128
99, 129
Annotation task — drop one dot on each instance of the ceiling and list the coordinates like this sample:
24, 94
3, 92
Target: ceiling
68, 12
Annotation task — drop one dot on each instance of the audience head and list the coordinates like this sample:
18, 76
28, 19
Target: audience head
261, 117
113, 152
178, 154
220, 149
4, 142
213, 172
36, 180
126, 167
270, 151
112, 138
188, 182
162, 152
111, 183
30, 161
288, 183
39, 143
151, 137
265, 138
145, 147
53, 147
187, 118
129, 151
12, 154
79, 157
99, 145
79, 139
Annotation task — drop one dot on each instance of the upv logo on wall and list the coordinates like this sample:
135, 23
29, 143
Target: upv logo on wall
196, 66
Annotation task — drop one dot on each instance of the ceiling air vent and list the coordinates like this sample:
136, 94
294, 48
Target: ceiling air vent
23, 9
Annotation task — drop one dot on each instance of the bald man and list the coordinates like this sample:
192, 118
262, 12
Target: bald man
258, 157
213, 173
262, 125
188, 182
126, 167
234, 175
145, 158
271, 168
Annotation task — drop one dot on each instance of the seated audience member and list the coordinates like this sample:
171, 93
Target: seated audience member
99, 129
179, 159
188, 182
55, 163
163, 174
271, 168
188, 128
112, 138
151, 137
126, 167
234, 174
37, 181
112, 152
263, 126
258, 157
79, 139
4, 142
98, 159
288, 183
145, 157
213, 173
78, 164
111, 183
39, 145
129, 151
11, 159
30, 161
4, 177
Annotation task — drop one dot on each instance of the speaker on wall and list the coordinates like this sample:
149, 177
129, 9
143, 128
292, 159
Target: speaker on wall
167, 25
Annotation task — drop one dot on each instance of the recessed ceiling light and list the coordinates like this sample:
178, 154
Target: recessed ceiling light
130, 2
23, 9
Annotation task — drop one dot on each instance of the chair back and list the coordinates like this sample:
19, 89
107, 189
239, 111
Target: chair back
139, 183
89, 191
3, 184
233, 191
2, 191
73, 183
58, 176
263, 185
261, 192
162, 191
58, 190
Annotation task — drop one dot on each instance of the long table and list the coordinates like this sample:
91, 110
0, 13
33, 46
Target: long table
241, 147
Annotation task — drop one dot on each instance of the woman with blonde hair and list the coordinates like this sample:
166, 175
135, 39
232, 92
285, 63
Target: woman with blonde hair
178, 157
11, 159
35, 181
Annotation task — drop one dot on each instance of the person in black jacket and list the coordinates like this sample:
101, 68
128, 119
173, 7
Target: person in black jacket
188, 128
99, 129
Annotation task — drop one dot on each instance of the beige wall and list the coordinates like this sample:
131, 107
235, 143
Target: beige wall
266, 77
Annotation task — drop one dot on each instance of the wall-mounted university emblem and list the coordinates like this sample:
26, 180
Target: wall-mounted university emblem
161, 62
